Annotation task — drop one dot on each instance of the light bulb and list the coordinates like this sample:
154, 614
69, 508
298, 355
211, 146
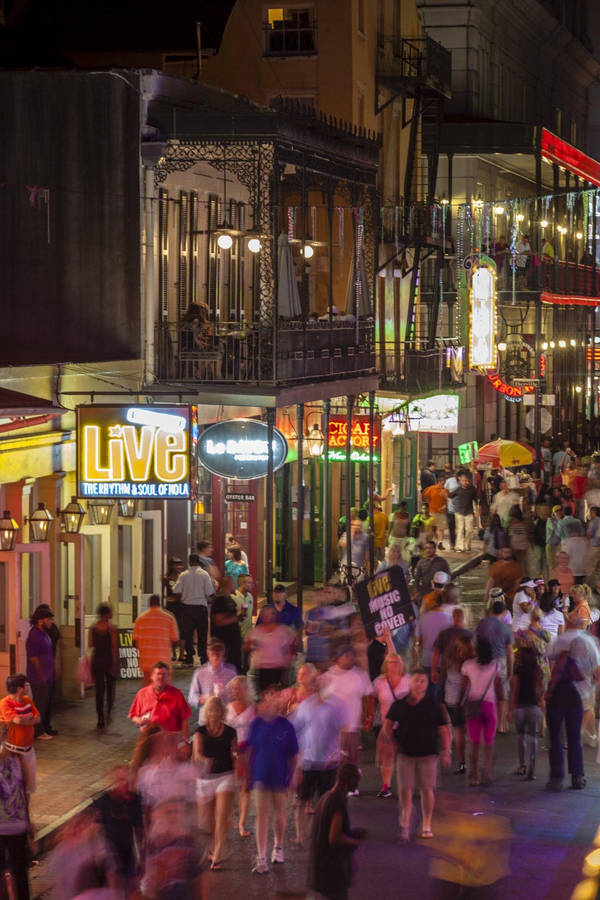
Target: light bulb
502, 346
520, 217
499, 210
444, 201
578, 388
544, 223
579, 235
545, 345
254, 245
562, 343
552, 345
307, 251
225, 241
573, 342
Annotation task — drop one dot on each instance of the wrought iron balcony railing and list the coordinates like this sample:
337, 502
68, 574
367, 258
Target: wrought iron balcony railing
413, 63
415, 368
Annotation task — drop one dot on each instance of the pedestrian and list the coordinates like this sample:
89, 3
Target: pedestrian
527, 692
553, 620
495, 538
580, 598
554, 536
563, 573
352, 686
421, 725
426, 569
272, 751
584, 649
436, 496
456, 652
464, 499
119, 811
173, 602
56, 637
501, 638
205, 552
518, 536
40, 667
564, 705
504, 502
399, 525
234, 565
482, 688
271, 647
19, 714
212, 679
196, 587
318, 722
103, 641
391, 685
446, 637
393, 557
577, 548
231, 542
428, 476
523, 603
156, 634
429, 626
452, 483
240, 714
161, 704
286, 613
15, 826
215, 752
244, 602
380, 527
333, 841
505, 574
225, 627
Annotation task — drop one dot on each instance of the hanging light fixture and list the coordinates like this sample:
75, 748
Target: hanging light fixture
127, 508
72, 516
8, 531
100, 511
315, 441
225, 232
307, 251
254, 245
39, 524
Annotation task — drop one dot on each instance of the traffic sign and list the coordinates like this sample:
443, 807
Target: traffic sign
545, 420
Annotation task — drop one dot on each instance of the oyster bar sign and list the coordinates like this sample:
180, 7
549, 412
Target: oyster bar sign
133, 451
239, 448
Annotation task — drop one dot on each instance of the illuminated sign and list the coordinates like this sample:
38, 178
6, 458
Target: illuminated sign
133, 451
436, 415
482, 315
558, 151
239, 448
467, 452
511, 391
360, 430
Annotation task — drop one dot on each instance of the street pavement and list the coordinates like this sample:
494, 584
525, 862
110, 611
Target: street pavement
551, 833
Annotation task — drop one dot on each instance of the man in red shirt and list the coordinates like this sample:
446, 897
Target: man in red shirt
161, 704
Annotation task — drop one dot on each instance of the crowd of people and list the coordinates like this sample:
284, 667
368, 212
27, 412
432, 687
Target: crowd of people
280, 706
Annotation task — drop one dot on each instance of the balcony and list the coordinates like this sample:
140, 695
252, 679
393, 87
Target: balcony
410, 222
570, 279
242, 353
415, 369
408, 65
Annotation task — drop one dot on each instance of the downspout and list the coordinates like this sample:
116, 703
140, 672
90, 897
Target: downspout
149, 274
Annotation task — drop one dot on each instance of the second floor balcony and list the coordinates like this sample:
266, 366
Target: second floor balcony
415, 367
411, 64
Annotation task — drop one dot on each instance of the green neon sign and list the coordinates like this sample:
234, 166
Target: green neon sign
355, 456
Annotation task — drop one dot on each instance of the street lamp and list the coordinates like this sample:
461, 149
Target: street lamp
100, 511
39, 524
72, 516
8, 531
127, 508
315, 441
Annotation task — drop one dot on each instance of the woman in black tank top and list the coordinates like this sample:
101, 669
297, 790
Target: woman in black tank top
103, 640
215, 751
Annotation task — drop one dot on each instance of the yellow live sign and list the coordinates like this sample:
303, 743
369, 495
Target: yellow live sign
133, 451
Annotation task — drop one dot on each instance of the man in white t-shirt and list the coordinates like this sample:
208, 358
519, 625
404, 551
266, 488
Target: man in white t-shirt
585, 650
523, 603
352, 686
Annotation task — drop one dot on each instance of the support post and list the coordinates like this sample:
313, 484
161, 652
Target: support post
300, 506
269, 509
371, 493
326, 494
348, 464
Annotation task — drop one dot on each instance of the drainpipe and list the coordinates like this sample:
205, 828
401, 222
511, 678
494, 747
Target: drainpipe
149, 274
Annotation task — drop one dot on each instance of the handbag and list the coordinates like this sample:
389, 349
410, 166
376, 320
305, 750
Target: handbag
83, 671
473, 707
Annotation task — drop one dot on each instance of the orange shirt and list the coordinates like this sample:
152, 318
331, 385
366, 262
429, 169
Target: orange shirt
18, 735
437, 497
154, 632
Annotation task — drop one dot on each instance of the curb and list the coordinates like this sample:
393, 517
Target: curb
467, 565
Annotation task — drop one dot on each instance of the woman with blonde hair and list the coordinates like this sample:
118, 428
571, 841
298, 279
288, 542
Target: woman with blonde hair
456, 653
215, 750
240, 714
390, 686
580, 595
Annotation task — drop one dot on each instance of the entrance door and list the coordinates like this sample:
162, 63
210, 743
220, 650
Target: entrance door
151, 555
28, 586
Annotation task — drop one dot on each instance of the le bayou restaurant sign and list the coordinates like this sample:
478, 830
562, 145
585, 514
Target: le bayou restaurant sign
384, 601
360, 439
133, 451
239, 448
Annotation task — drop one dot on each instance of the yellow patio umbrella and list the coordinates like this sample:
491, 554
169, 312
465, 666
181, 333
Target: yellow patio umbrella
506, 454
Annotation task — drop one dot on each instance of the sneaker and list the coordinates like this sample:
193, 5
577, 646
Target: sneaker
590, 740
441, 546
44, 737
385, 793
555, 784
461, 768
578, 783
277, 855
260, 867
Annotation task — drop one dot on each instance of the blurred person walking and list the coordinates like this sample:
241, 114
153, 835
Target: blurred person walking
240, 714
40, 667
527, 692
352, 686
196, 587
391, 685
103, 641
457, 651
481, 689
160, 703
211, 679
271, 648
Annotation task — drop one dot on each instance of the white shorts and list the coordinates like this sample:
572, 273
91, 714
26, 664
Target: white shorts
208, 788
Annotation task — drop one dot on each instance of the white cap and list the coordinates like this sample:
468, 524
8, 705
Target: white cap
440, 578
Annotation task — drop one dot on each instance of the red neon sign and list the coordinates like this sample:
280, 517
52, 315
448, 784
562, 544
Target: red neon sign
337, 437
542, 366
564, 154
568, 299
511, 391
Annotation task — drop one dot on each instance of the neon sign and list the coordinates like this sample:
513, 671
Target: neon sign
435, 415
510, 391
239, 448
360, 439
133, 452
482, 314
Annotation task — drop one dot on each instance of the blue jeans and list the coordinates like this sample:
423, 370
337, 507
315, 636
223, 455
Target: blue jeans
565, 706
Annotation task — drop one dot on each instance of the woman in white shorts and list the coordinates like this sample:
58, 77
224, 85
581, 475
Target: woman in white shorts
215, 751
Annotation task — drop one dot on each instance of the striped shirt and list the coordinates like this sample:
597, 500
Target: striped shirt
154, 632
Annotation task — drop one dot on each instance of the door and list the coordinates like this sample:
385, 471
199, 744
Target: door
151, 555
28, 586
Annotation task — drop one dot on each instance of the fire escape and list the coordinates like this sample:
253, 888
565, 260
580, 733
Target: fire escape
416, 71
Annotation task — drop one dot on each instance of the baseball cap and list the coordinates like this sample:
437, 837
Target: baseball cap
538, 581
441, 578
526, 582
496, 593
553, 582
556, 509
279, 588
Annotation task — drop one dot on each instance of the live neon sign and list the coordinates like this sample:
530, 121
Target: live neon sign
133, 452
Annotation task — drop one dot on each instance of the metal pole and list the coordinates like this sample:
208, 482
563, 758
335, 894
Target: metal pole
326, 491
371, 486
269, 509
349, 408
300, 506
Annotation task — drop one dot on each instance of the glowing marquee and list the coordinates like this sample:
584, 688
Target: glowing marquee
482, 315
133, 451
512, 392
360, 430
434, 415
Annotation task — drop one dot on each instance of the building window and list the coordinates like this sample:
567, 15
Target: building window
361, 16
290, 31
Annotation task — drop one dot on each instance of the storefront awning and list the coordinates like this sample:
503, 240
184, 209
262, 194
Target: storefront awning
14, 403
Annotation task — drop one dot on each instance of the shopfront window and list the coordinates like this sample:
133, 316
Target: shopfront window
124, 584
30, 583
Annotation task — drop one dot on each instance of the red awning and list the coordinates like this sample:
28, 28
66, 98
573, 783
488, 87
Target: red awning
564, 154
568, 299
